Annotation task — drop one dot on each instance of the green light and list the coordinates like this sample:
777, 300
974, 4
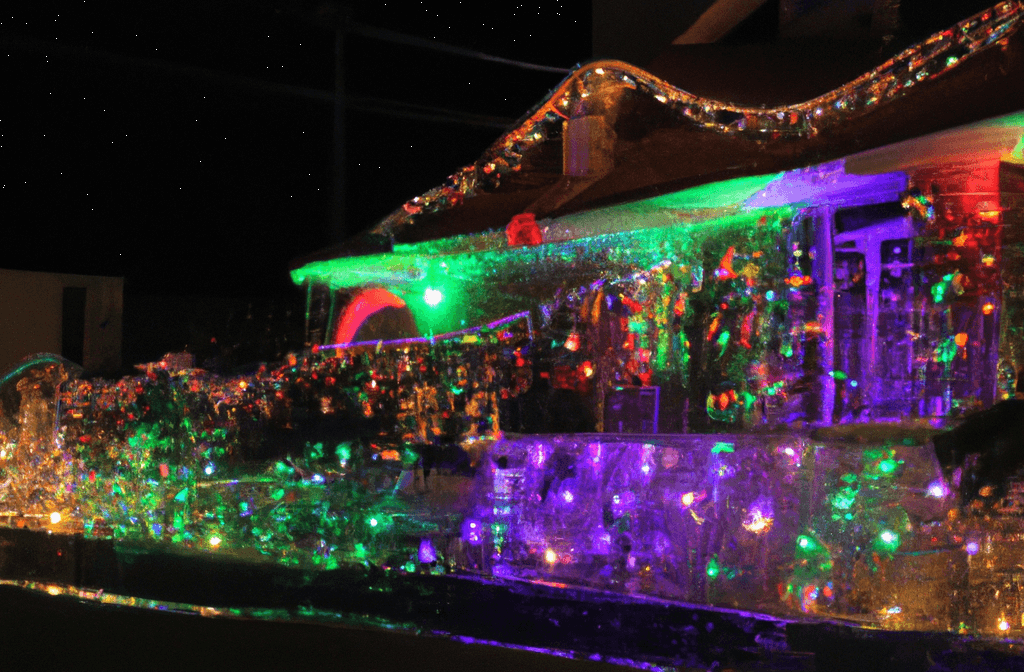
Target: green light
432, 296
713, 568
714, 195
887, 466
722, 447
887, 540
946, 351
723, 341
844, 499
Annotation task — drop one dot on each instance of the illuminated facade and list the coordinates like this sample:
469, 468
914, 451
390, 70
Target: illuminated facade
720, 394
876, 285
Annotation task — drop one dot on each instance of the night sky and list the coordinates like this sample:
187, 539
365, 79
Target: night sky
188, 146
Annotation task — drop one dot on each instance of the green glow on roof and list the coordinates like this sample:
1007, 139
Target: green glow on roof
481, 278
404, 264
714, 195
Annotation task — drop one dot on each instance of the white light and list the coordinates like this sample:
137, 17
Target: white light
54, 518
432, 296
215, 541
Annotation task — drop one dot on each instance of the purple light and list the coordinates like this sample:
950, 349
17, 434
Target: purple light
472, 532
821, 183
427, 554
971, 548
938, 489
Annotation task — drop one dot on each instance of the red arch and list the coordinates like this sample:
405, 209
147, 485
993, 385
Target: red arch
364, 304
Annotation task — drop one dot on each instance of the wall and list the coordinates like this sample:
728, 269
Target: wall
31, 309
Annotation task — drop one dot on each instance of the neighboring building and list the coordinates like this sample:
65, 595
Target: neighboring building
855, 257
75, 316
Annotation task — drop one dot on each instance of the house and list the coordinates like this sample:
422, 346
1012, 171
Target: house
851, 258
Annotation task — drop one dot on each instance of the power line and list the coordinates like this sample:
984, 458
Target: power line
410, 40
392, 108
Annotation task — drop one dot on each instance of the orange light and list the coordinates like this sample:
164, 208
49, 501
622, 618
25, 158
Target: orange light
961, 339
988, 308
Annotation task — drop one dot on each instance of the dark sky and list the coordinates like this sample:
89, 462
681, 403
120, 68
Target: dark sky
188, 146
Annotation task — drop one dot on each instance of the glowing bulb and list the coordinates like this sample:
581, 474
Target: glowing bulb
215, 541
567, 496
937, 489
373, 522
550, 556
427, 553
1003, 624
688, 499
54, 518
432, 296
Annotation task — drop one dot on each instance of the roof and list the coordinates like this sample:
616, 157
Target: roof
704, 114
